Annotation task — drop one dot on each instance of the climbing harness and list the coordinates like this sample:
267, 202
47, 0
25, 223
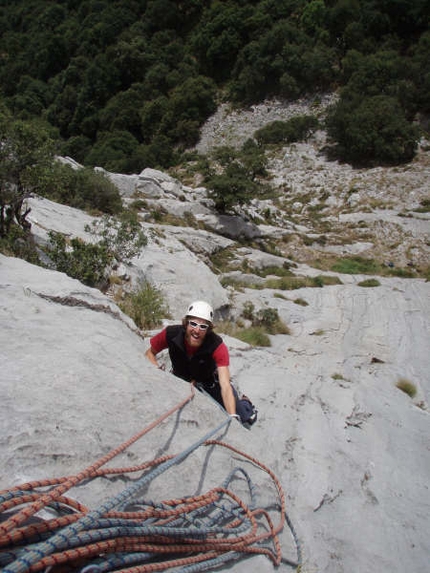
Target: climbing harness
127, 534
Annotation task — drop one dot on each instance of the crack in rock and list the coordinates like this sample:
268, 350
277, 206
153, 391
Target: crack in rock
78, 302
327, 499
357, 418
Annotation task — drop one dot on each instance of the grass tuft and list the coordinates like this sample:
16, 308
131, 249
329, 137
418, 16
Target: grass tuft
369, 283
356, 266
253, 335
407, 387
301, 302
337, 376
145, 306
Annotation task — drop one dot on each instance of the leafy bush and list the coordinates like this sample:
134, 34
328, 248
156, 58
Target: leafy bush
298, 128
372, 130
119, 239
96, 191
146, 306
82, 261
248, 310
266, 319
283, 271
19, 243
253, 158
337, 376
402, 273
80, 188
425, 206
122, 236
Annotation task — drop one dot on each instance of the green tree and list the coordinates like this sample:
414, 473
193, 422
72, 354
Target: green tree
101, 80
115, 66
231, 188
156, 80
47, 52
31, 99
77, 147
238, 183
340, 14
253, 159
421, 62
313, 16
372, 130
151, 115
374, 74
161, 15
219, 37
114, 151
26, 149
318, 68
179, 116
132, 58
191, 101
283, 60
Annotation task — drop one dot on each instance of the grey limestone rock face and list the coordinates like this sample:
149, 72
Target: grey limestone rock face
350, 448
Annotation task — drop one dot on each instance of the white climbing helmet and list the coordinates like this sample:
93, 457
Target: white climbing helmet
201, 309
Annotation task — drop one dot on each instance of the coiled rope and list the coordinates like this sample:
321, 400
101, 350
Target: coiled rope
132, 536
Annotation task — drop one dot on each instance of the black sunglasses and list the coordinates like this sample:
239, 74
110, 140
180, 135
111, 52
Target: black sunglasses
194, 324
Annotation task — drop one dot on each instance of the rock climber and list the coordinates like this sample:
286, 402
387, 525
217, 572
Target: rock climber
200, 356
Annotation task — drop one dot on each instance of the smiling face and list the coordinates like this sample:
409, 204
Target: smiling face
195, 331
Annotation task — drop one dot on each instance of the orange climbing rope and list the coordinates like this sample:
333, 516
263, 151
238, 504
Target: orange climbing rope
195, 533
67, 483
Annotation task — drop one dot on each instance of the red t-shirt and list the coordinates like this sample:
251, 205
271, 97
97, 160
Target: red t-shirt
220, 354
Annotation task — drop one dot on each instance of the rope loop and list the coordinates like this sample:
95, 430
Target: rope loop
131, 535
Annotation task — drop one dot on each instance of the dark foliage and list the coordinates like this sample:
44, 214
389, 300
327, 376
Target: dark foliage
128, 84
28, 167
298, 128
26, 150
81, 188
237, 183
373, 130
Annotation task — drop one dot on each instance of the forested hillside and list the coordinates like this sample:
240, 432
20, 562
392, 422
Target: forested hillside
127, 85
